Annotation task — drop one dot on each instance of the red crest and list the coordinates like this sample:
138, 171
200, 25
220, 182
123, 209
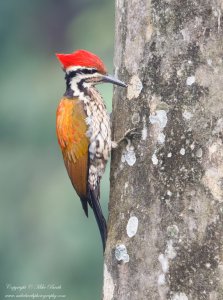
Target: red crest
82, 58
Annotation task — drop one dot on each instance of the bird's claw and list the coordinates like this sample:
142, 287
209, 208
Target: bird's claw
129, 134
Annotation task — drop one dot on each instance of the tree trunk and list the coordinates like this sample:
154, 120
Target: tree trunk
166, 201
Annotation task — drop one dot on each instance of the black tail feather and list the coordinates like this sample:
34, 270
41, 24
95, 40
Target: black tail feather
84, 202
95, 205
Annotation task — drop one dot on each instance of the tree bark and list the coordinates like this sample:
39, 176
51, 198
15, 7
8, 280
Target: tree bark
166, 201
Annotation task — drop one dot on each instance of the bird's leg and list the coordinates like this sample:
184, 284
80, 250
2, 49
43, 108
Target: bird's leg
129, 134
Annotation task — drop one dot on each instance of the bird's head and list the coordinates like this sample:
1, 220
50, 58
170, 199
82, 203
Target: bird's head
84, 69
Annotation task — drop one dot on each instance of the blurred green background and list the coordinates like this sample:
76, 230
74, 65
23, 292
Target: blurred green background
44, 235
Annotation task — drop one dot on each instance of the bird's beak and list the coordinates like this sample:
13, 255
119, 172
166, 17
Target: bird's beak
111, 79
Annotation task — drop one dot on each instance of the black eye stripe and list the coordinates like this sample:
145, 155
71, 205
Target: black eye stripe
84, 71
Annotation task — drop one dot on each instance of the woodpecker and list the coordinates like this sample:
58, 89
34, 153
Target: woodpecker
83, 128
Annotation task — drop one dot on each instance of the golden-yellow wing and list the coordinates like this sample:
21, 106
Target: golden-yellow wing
71, 134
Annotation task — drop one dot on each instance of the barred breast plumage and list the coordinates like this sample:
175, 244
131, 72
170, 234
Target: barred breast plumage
99, 134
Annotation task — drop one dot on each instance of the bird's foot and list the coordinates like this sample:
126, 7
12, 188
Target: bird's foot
128, 136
